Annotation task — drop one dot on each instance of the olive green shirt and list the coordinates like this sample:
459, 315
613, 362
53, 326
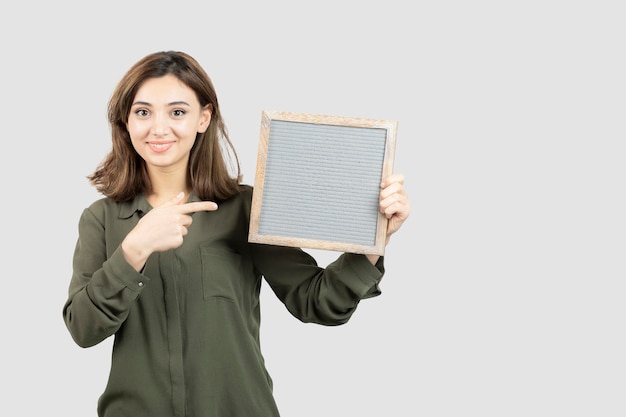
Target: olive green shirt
186, 328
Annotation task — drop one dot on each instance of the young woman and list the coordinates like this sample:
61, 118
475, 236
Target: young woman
163, 264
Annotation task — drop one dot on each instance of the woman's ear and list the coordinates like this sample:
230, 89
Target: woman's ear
205, 118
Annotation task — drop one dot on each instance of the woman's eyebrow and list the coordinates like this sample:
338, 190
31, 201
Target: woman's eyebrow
178, 103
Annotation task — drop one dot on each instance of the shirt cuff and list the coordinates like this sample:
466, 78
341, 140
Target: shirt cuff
121, 270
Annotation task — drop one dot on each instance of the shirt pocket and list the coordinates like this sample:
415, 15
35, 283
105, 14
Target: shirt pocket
221, 270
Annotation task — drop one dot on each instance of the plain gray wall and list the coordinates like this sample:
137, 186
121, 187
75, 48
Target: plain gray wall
504, 293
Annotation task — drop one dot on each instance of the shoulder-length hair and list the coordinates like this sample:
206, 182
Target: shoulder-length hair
214, 171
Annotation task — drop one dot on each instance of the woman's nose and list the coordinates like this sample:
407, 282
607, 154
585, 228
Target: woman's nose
159, 126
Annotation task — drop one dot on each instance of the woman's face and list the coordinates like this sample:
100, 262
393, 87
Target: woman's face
163, 122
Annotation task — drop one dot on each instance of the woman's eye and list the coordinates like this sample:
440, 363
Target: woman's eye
178, 112
141, 112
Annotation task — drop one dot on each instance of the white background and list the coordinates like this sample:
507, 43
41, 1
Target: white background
504, 292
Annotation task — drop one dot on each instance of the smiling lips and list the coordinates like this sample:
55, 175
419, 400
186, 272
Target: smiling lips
160, 147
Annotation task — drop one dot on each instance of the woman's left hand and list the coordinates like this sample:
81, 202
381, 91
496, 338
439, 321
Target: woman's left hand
394, 203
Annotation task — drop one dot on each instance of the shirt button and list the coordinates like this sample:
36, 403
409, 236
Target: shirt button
140, 284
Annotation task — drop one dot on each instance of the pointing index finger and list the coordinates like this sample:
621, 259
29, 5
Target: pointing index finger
198, 206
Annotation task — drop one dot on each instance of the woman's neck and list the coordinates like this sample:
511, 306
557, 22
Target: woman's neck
165, 185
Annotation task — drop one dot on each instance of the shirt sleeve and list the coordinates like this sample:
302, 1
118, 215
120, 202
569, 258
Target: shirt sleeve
102, 287
327, 296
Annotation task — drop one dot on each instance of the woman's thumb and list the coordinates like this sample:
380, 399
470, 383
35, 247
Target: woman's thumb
177, 199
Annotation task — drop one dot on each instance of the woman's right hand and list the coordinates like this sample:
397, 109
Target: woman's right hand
161, 229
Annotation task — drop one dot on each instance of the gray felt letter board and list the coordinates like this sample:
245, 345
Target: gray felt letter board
318, 180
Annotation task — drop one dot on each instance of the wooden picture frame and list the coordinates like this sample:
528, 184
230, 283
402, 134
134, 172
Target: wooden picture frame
317, 182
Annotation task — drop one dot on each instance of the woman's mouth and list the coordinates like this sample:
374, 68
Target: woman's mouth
160, 147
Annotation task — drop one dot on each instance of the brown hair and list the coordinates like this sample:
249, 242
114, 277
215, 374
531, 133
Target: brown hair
122, 174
